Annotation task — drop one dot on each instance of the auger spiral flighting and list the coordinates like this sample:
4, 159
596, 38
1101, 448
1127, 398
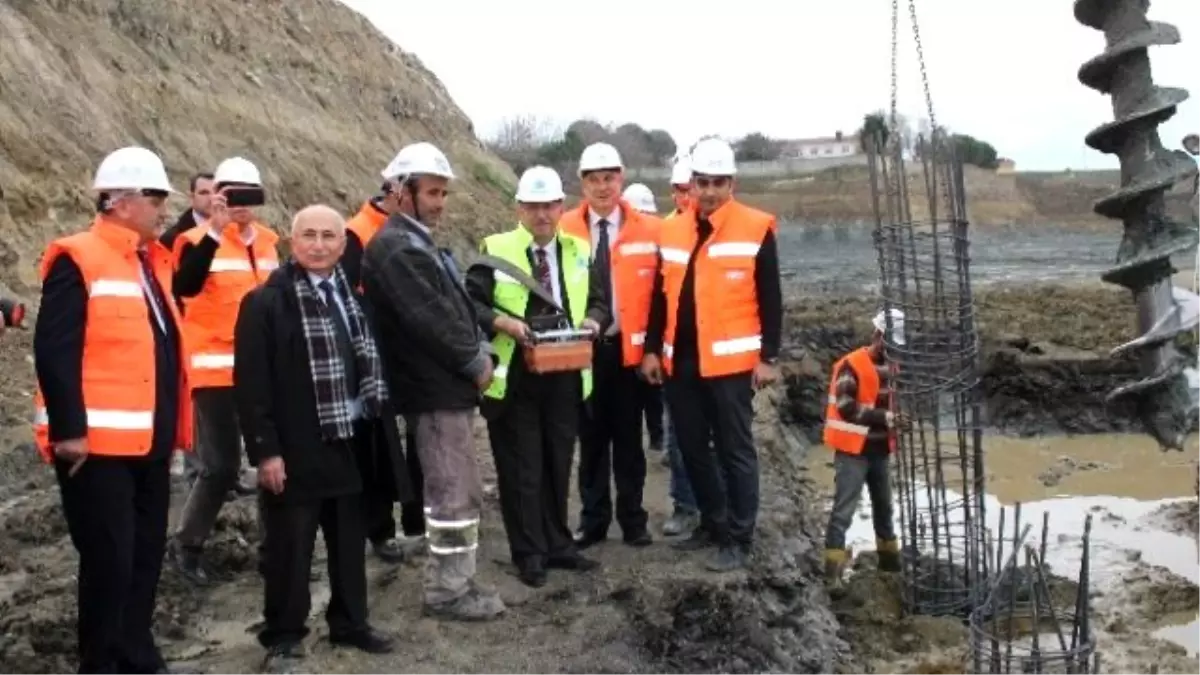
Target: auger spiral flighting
1151, 237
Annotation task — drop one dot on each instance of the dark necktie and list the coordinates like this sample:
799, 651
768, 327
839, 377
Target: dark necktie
342, 335
158, 306
543, 270
603, 266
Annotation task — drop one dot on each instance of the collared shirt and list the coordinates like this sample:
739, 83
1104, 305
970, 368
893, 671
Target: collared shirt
614, 226
551, 250
159, 312
316, 280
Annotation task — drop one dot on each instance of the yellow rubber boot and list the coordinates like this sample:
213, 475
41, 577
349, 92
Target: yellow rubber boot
835, 565
889, 554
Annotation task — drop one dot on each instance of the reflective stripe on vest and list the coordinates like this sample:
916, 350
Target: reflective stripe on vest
210, 317
513, 298
728, 330
634, 260
839, 434
118, 369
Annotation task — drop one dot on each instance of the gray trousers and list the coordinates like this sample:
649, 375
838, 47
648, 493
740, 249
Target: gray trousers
453, 501
219, 447
850, 473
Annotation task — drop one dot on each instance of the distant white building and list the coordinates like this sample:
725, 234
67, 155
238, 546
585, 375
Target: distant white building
838, 145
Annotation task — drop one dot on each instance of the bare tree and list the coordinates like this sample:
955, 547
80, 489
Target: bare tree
523, 133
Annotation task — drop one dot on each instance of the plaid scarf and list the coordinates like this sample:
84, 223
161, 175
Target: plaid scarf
325, 360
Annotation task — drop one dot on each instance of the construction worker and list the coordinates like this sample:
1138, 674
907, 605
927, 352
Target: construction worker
112, 405
625, 244
438, 363
681, 185
310, 391
640, 197
379, 494
860, 427
533, 419
715, 330
219, 262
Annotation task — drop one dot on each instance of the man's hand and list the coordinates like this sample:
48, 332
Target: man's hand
514, 328
764, 374
652, 370
485, 378
218, 214
590, 326
271, 475
897, 420
74, 452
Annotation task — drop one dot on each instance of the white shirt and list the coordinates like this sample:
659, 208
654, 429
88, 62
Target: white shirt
159, 312
316, 281
614, 226
551, 250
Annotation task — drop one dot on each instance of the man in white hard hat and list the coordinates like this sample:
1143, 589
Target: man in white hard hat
715, 329
641, 197
219, 262
860, 427
625, 244
681, 185
438, 363
533, 417
112, 404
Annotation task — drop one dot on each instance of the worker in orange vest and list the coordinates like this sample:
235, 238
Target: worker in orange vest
219, 262
640, 197
625, 245
860, 427
112, 405
715, 331
681, 186
379, 493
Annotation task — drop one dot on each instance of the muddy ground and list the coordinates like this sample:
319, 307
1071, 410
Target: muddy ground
646, 610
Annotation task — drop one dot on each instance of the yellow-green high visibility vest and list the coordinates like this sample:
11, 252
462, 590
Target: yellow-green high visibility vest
512, 296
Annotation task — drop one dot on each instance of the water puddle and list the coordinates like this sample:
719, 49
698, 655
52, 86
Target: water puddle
1138, 554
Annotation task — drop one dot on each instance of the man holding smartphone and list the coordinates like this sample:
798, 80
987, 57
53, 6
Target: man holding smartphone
218, 263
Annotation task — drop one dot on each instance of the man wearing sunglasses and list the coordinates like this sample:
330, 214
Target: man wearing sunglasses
715, 328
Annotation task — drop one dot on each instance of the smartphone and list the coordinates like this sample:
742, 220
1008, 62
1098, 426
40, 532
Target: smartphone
244, 196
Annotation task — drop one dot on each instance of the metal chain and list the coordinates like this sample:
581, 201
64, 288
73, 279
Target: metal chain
912, 12
895, 51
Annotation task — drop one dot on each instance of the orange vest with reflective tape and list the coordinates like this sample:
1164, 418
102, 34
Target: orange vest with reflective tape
209, 317
366, 223
839, 434
118, 344
633, 258
728, 330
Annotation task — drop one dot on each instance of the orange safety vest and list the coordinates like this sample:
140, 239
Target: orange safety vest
728, 330
838, 433
634, 259
209, 318
367, 222
118, 343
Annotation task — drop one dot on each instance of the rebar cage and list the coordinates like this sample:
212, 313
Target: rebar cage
921, 240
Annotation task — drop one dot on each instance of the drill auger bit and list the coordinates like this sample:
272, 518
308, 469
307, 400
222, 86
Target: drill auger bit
1161, 397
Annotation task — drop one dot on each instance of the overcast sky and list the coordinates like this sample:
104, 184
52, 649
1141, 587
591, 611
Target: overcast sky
1001, 70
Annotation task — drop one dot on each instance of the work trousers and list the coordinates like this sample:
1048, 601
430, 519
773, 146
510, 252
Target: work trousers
453, 501
720, 409
533, 443
682, 496
850, 473
291, 534
379, 498
219, 446
652, 406
610, 445
116, 511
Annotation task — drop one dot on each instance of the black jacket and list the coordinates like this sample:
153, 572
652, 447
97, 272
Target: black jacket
185, 222
276, 402
429, 335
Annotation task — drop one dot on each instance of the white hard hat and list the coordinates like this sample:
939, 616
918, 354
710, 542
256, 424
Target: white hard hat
681, 173
599, 156
880, 323
713, 157
419, 159
641, 198
132, 168
237, 170
539, 185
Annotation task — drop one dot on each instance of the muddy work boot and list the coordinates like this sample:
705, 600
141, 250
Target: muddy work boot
681, 521
888, 551
390, 551
728, 558
284, 658
187, 561
835, 565
477, 604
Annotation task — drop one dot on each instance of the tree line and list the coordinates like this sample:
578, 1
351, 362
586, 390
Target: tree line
969, 149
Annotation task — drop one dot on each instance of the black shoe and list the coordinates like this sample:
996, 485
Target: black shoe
575, 562
727, 559
366, 640
586, 539
639, 539
532, 573
389, 550
283, 658
697, 540
187, 561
